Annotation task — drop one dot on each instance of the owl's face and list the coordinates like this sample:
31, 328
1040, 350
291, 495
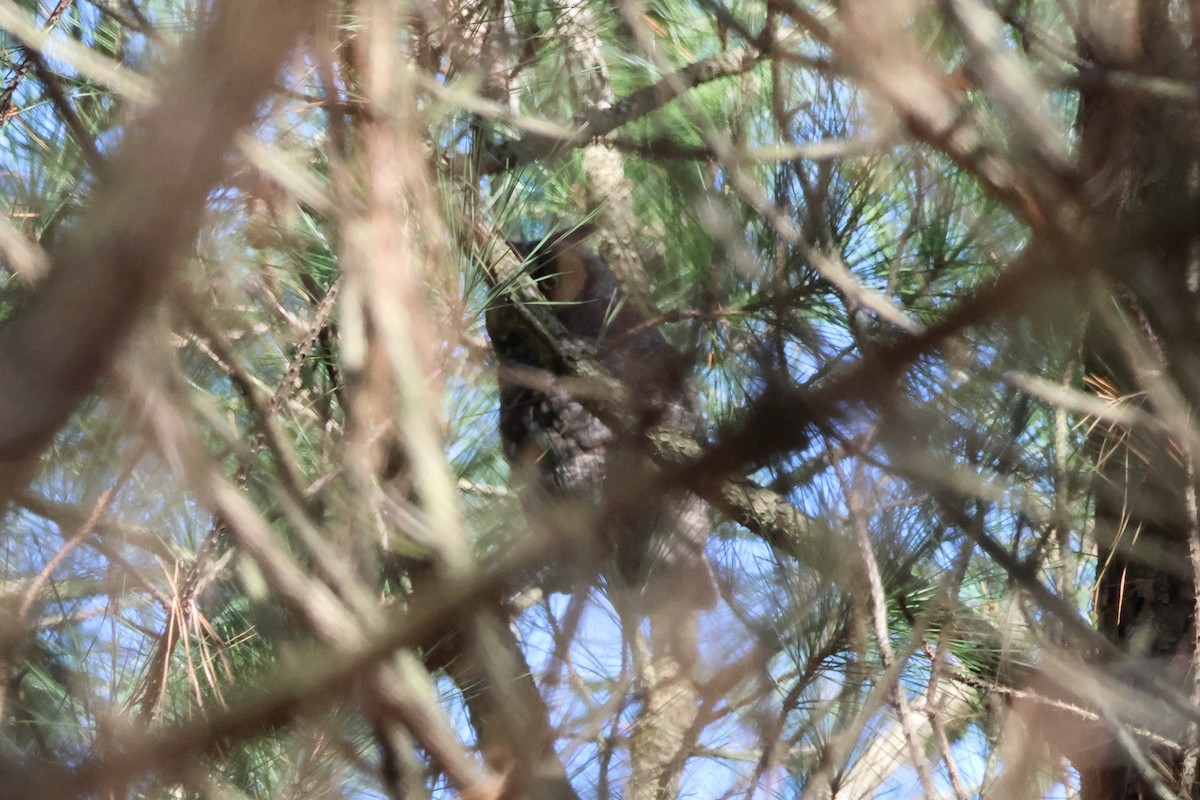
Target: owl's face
588, 300
562, 267
583, 292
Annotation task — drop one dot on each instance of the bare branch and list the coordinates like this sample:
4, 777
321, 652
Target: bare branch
142, 217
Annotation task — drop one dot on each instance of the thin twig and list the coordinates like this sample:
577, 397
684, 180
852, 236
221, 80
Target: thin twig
1191, 750
854, 493
7, 110
54, 89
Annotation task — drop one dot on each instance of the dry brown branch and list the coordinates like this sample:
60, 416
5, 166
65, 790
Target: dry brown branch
149, 693
913, 742
35, 586
170, 751
103, 502
598, 121
666, 148
144, 214
333, 606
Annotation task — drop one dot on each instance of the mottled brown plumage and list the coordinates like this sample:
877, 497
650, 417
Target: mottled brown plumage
575, 469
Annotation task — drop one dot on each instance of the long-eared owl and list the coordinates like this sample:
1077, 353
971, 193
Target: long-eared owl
575, 469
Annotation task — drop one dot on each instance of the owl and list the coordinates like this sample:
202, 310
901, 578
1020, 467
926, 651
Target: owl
574, 468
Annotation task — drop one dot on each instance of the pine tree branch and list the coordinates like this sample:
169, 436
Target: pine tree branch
144, 214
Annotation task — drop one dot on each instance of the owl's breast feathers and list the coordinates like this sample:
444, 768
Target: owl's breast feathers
562, 450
